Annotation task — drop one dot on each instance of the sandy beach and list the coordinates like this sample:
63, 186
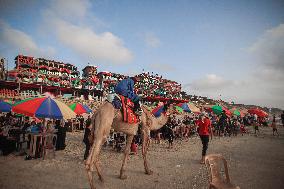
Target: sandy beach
254, 162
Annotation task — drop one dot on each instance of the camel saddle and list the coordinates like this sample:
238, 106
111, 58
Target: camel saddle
127, 110
126, 106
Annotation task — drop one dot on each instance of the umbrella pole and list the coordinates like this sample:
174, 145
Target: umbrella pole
44, 125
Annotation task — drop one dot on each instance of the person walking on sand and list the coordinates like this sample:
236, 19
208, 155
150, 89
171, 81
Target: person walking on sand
273, 125
204, 130
86, 140
282, 118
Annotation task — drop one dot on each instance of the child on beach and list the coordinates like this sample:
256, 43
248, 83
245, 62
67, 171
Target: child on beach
134, 147
243, 129
256, 129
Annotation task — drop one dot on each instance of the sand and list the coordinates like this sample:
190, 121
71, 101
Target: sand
254, 162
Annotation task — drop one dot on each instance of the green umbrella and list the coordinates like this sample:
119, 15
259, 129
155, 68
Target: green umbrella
217, 109
179, 109
237, 113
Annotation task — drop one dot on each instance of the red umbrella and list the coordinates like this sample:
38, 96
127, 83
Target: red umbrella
228, 113
258, 112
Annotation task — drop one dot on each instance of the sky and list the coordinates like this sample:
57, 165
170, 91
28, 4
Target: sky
233, 50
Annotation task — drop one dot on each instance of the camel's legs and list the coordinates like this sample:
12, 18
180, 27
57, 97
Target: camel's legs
126, 154
92, 159
145, 145
99, 171
90, 178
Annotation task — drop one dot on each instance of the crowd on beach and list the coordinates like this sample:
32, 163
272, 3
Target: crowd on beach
179, 126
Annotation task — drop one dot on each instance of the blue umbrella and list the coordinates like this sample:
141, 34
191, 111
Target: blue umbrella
4, 106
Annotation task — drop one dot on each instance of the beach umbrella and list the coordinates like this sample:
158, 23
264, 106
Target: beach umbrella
219, 109
236, 112
179, 109
258, 112
193, 108
44, 107
184, 107
4, 106
208, 107
80, 108
243, 111
158, 110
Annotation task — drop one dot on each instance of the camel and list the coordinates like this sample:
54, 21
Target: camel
107, 117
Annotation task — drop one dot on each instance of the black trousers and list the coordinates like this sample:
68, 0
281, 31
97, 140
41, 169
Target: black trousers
88, 146
205, 141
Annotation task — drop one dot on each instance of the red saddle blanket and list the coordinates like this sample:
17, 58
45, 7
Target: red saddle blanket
127, 110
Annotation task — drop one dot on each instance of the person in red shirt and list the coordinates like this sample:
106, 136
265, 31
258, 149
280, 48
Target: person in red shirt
204, 130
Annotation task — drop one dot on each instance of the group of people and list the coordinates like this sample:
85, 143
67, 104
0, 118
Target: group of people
155, 85
146, 85
17, 129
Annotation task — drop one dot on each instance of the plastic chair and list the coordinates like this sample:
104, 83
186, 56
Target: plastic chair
217, 180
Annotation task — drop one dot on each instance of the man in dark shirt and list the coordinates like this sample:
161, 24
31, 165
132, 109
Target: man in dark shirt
222, 123
26, 125
282, 118
6, 146
61, 135
86, 140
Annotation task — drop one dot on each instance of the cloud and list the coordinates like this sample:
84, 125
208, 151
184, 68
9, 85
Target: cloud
81, 38
70, 9
152, 40
210, 82
268, 50
21, 42
162, 67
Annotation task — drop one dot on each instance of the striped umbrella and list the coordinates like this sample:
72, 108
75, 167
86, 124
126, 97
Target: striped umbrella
44, 107
158, 111
184, 107
80, 108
